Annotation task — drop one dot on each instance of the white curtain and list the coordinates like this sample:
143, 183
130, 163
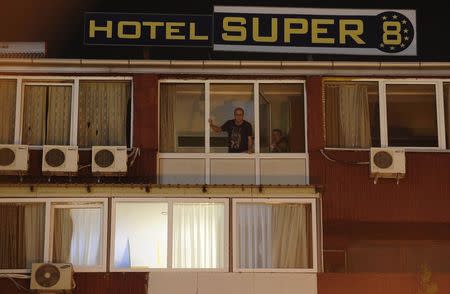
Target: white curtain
7, 110
198, 235
255, 235
86, 236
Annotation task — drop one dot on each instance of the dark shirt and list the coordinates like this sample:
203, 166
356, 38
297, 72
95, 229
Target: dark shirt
237, 135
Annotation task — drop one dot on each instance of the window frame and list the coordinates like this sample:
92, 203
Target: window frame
207, 156
314, 235
49, 223
74, 82
382, 102
170, 202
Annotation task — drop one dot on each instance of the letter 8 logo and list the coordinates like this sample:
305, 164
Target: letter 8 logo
396, 32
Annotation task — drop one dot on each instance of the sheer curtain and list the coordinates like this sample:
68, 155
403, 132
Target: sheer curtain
255, 235
7, 110
34, 115
58, 118
34, 232
274, 236
103, 113
198, 235
167, 125
77, 236
347, 116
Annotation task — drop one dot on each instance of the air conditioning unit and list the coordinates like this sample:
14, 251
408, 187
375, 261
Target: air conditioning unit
51, 276
59, 160
387, 163
13, 159
109, 160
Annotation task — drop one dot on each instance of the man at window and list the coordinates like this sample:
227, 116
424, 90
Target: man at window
239, 132
279, 142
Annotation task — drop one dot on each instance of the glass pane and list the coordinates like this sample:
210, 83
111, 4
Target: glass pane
447, 113
411, 115
46, 115
281, 118
274, 235
21, 234
7, 110
182, 118
77, 236
352, 118
198, 235
104, 112
232, 117
141, 235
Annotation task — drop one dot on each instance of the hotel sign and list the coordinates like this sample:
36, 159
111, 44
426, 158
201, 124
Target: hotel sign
263, 29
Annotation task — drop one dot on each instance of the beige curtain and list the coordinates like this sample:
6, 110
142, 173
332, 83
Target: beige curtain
34, 115
347, 116
291, 236
34, 233
103, 113
167, 126
62, 235
12, 237
7, 110
58, 118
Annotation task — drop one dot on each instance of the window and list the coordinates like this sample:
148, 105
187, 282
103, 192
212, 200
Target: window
104, 113
397, 113
74, 231
411, 115
281, 118
164, 234
352, 114
21, 234
77, 234
182, 116
46, 114
232, 132
274, 235
7, 110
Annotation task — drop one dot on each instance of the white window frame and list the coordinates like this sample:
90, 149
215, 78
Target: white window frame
382, 83
207, 156
74, 82
314, 235
48, 232
170, 202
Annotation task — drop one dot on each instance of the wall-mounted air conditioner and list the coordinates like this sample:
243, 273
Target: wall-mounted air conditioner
387, 163
13, 159
109, 160
59, 160
51, 276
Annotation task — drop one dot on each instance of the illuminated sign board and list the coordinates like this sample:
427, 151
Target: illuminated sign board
263, 29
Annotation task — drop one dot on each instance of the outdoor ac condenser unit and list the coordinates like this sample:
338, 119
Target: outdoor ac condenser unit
13, 159
387, 163
109, 160
51, 276
59, 160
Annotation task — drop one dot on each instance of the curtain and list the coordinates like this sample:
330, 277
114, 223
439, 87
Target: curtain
62, 235
34, 115
34, 233
347, 116
255, 235
296, 138
58, 118
12, 237
291, 240
198, 235
86, 236
103, 113
167, 125
7, 110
